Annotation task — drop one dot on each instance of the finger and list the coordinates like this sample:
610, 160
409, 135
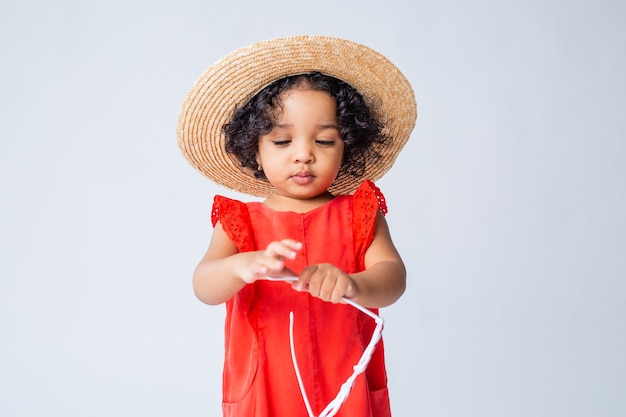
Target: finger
340, 290
271, 266
293, 244
260, 264
302, 284
351, 289
275, 267
327, 288
283, 249
254, 271
286, 272
319, 285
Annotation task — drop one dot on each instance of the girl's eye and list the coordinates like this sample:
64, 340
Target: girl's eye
281, 142
325, 143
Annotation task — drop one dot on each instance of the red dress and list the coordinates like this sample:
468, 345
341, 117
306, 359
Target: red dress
259, 379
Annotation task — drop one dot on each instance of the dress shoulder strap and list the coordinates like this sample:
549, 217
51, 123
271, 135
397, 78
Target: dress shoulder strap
367, 201
234, 217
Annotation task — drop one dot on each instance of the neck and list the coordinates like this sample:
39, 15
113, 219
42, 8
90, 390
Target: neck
284, 203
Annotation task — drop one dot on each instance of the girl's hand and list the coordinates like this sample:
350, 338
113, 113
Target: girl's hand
327, 282
270, 262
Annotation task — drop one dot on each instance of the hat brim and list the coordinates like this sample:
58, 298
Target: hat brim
238, 76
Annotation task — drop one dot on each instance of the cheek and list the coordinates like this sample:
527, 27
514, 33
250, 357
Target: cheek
340, 159
263, 152
342, 156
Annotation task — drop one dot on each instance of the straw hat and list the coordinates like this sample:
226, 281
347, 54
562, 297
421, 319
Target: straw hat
238, 76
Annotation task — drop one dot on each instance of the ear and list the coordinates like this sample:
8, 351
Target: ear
258, 161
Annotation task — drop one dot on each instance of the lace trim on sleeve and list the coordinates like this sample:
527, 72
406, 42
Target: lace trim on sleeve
234, 217
367, 201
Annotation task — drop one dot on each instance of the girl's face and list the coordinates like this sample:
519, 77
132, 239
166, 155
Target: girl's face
302, 155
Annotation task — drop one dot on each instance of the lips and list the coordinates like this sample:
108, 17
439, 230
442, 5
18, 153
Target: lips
303, 178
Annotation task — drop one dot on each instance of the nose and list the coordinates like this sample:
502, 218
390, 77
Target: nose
303, 152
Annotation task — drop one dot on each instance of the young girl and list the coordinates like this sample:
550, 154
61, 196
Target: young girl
314, 120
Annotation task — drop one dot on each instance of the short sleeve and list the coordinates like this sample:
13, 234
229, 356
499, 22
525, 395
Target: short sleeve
367, 201
234, 217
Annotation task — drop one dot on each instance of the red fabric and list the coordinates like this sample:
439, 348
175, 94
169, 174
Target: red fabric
259, 379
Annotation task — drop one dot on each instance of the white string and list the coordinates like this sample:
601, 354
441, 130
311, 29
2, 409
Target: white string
333, 407
295, 365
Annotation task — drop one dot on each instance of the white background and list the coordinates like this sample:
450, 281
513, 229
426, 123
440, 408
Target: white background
508, 203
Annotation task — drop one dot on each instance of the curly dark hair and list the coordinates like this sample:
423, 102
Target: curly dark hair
360, 128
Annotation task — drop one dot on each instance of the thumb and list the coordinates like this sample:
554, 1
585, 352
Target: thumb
302, 284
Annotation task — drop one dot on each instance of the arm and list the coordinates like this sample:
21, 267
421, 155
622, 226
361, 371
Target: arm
223, 271
384, 279
381, 283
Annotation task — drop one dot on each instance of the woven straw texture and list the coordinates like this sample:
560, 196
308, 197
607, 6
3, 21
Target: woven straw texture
235, 78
